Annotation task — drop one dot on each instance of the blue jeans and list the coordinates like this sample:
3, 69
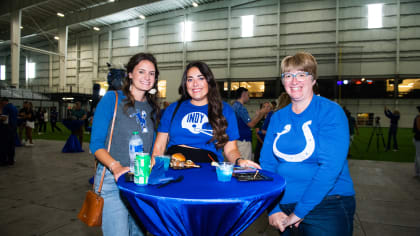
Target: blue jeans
332, 216
116, 216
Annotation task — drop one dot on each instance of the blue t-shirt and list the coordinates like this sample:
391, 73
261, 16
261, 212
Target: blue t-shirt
191, 126
243, 119
309, 150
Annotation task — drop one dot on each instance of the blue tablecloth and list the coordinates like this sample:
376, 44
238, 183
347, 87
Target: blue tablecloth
200, 205
72, 143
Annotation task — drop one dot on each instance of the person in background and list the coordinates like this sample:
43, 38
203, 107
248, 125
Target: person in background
22, 122
307, 143
352, 127
392, 134
273, 105
45, 111
30, 124
8, 121
137, 99
78, 113
41, 120
259, 134
200, 125
245, 123
53, 119
416, 140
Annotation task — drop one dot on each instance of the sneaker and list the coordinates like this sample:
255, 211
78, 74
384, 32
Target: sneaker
395, 150
22, 142
29, 144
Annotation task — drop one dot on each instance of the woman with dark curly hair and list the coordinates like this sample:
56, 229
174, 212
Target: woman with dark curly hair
137, 110
200, 125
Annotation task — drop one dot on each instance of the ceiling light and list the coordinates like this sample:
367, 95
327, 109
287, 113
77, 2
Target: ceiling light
142, 17
195, 4
96, 28
111, 0
56, 37
60, 14
21, 27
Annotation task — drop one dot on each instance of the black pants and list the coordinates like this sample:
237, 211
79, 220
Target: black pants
7, 144
195, 155
54, 125
42, 127
392, 134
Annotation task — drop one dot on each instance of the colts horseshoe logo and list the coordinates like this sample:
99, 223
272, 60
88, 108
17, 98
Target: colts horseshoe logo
303, 155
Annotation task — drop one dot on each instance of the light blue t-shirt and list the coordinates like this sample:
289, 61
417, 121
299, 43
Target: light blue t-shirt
309, 150
191, 126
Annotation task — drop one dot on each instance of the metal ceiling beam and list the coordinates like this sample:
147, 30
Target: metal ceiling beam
181, 12
101, 11
7, 7
88, 14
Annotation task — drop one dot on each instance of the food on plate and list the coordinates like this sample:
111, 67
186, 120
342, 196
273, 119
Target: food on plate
179, 161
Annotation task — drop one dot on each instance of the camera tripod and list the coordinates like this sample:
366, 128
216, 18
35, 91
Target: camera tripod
377, 130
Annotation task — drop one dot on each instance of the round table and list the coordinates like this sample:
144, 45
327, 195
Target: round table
72, 143
201, 205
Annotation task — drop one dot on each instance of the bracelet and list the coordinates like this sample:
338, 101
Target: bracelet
111, 165
237, 160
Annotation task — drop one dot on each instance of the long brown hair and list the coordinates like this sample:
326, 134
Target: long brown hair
151, 98
217, 120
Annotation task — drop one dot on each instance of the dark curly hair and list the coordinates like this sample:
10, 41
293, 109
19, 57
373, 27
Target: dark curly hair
151, 98
215, 105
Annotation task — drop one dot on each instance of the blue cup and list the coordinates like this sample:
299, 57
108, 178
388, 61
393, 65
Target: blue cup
166, 160
224, 171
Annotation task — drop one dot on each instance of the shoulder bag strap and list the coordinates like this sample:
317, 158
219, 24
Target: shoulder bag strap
110, 140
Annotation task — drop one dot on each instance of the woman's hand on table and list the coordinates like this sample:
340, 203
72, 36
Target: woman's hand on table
277, 220
248, 163
118, 170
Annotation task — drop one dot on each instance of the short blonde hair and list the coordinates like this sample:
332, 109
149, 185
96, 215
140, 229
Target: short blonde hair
303, 61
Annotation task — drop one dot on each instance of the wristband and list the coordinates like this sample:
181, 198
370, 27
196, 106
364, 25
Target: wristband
111, 165
237, 160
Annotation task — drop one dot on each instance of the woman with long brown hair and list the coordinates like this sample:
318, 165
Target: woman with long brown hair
137, 111
199, 125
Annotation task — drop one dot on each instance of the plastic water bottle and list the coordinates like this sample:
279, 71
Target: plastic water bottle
135, 146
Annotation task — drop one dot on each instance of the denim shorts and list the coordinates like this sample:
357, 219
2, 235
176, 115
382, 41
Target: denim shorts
332, 216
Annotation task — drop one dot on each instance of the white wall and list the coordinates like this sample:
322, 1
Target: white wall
312, 26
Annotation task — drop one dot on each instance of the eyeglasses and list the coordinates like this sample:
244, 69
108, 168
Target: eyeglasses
300, 76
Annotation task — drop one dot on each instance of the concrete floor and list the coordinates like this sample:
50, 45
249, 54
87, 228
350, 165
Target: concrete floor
43, 192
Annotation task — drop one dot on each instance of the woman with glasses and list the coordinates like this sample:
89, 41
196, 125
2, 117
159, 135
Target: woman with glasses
307, 143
